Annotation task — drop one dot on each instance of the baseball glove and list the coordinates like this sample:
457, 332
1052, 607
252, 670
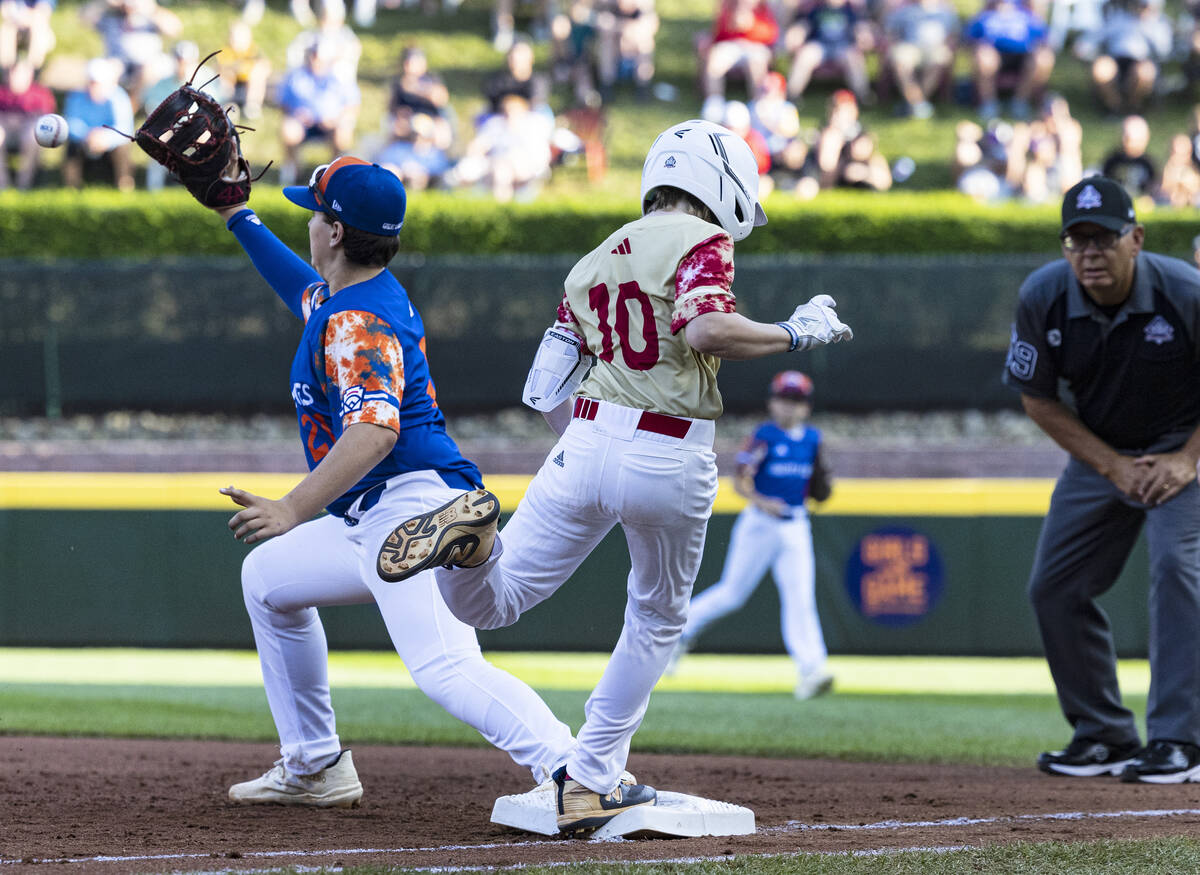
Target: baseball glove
192, 136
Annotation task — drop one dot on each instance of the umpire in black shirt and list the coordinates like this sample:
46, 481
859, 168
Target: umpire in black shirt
1106, 355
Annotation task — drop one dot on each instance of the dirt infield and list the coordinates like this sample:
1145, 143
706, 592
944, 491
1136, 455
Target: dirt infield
137, 806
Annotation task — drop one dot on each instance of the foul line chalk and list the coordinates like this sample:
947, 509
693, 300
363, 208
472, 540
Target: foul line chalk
790, 826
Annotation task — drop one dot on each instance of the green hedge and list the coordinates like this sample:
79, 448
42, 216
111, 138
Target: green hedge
106, 223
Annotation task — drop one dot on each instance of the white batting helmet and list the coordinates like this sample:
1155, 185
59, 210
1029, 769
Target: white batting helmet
714, 165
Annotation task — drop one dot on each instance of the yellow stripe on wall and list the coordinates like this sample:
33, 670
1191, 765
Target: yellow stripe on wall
198, 491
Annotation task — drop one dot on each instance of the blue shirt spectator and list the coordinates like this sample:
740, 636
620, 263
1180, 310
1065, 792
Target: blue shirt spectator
1009, 53
102, 102
1010, 28
316, 96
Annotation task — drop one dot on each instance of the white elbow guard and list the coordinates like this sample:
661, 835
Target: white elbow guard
558, 368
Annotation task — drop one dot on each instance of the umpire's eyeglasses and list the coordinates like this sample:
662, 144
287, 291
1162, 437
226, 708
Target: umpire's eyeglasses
1075, 242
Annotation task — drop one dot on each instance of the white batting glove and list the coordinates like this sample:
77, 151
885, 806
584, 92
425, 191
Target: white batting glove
816, 324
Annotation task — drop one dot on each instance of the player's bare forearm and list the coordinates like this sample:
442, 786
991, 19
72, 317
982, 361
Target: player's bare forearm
560, 417
1069, 432
732, 336
227, 213
360, 448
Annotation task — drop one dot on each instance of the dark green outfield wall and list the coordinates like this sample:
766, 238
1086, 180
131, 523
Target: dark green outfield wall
170, 579
183, 334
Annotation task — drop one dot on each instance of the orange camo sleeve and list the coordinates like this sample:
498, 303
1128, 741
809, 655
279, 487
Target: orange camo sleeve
364, 360
704, 281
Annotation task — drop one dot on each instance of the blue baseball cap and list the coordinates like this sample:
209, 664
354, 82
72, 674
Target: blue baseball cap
355, 192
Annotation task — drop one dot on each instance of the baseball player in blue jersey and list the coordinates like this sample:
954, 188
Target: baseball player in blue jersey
378, 452
778, 468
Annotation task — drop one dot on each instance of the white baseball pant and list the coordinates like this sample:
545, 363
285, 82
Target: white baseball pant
661, 490
757, 542
326, 562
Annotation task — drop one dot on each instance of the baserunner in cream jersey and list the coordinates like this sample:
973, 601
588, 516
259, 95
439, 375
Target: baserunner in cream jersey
653, 306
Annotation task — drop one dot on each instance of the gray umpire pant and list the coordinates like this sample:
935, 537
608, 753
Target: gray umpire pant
1086, 538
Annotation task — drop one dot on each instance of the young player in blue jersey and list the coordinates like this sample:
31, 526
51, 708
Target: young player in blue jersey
378, 453
778, 468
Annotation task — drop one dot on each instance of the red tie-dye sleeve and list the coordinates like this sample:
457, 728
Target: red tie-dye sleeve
704, 281
566, 319
365, 366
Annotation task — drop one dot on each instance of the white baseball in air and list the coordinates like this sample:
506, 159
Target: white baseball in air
51, 131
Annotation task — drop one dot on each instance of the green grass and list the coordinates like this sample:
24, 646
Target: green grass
885, 709
889, 709
459, 49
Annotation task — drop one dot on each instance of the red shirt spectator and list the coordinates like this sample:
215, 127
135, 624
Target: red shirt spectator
34, 100
759, 26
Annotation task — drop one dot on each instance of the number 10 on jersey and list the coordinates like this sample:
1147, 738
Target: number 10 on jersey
601, 301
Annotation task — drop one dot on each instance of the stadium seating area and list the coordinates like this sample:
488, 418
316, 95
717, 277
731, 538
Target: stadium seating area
516, 100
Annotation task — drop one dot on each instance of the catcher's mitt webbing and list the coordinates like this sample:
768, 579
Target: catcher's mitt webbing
192, 136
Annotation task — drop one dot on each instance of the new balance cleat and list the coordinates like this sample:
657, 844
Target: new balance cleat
1084, 758
335, 786
1164, 762
583, 810
460, 532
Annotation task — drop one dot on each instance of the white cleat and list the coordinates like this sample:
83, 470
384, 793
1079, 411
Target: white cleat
335, 786
812, 685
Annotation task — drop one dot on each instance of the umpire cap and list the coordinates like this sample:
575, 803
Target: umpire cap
792, 384
1099, 200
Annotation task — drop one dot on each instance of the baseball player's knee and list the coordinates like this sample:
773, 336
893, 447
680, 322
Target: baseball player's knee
255, 583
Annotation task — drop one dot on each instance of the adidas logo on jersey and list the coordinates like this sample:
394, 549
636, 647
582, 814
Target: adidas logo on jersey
622, 248
560, 460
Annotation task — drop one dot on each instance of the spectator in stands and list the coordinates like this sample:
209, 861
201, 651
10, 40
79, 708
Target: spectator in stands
185, 55
742, 40
1187, 37
22, 101
25, 22
626, 32
830, 34
1068, 141
842, 126
1180, 183
340, 42
244, 69
1128, 163
862, 166
504, 21
1127, 51
133, 32
414, 154
776, 118
737, 119
517, 78
921, 36
983, 162
510, 153
415, 90
316, 106
1009, 51
574, 36
91, 114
